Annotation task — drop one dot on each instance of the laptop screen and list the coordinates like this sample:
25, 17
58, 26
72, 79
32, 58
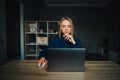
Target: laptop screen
66, 59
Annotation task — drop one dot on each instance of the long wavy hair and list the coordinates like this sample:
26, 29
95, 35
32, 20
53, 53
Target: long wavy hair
71, 23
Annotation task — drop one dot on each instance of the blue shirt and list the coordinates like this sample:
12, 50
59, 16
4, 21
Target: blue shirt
57, 42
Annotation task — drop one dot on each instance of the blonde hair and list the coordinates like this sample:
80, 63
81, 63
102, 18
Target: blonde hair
72, 26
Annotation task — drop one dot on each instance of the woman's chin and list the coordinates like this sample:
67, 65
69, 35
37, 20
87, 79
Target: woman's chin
66, 34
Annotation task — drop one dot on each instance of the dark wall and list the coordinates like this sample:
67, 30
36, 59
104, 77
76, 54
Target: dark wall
12, 29
90, 22
3, 45
31, 11
113, 24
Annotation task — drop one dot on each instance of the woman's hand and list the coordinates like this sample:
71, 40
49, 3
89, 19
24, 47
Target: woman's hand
41, 61
69, 38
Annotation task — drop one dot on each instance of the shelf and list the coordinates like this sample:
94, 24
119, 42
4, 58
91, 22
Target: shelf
52, 33
42, 33
38, 35
31, 55
30, 32
31, 44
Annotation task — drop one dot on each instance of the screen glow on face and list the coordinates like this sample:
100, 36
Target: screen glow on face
65, 27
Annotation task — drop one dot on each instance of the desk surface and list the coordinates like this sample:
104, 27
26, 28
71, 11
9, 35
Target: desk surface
27, 70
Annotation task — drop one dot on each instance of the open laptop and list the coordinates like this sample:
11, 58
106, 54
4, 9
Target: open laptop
66, 59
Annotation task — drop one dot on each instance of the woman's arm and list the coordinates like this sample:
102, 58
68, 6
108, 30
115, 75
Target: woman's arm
43, 57
77, 44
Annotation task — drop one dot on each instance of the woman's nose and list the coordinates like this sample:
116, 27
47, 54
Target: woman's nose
66, 27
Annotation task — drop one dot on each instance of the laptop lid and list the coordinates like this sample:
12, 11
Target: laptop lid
66, 59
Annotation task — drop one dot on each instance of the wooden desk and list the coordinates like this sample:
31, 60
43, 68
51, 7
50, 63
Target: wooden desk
27, 70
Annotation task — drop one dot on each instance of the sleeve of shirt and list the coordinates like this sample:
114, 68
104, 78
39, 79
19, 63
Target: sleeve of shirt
78, 44
43, 52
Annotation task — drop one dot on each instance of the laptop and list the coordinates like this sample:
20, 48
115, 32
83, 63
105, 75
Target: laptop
66, 59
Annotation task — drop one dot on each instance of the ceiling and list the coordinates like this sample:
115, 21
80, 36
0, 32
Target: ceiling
77, 2
68, 3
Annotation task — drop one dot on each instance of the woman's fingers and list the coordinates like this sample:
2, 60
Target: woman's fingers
69, 38
46, 62
41, 61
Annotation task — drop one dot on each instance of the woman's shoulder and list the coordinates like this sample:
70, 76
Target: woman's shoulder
76, 37
54, 38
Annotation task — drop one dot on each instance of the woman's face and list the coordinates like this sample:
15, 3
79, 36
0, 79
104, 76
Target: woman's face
65, 27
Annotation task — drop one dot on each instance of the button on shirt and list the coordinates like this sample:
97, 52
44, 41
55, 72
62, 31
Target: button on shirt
57, 42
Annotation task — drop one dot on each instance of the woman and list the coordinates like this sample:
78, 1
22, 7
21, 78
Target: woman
65, 39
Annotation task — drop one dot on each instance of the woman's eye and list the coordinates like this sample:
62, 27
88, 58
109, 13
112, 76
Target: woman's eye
63, 26
69, 26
